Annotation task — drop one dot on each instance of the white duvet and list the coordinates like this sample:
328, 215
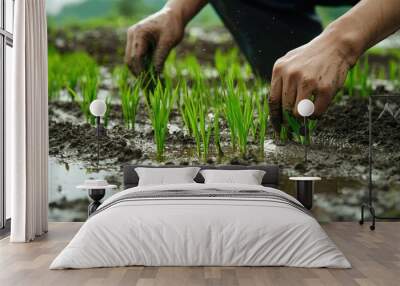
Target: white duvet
202, 232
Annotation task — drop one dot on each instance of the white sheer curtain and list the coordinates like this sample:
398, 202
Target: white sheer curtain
27, 124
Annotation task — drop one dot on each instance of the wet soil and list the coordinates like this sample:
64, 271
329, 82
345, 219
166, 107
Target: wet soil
340, 142
107, 45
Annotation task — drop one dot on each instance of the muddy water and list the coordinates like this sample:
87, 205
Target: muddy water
338, 154
336, 197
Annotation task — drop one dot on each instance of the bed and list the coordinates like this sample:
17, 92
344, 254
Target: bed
201, 224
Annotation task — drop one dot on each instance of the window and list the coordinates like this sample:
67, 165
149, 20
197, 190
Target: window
6, 44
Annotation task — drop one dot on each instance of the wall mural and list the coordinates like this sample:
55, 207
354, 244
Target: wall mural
207, 108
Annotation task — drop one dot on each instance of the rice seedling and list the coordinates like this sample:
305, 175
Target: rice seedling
194, 110
262, 118
193, 67
393, 71
130, 95
106, 118
89, 88
230, 115
55, 75
339, 96
217, 132
239, 114
160, 103
358, 79
172, 67
294, 126
283, 135
394, 74
382, 73
350, 81
228, 64
364, 82
297, 128
74, 65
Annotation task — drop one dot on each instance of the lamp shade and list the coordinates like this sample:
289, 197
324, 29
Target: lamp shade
98, 108
305, 108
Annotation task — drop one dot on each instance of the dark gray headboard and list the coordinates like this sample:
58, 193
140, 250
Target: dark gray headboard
271, 178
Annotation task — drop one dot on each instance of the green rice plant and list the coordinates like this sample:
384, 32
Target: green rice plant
339, 96
223, 61
172, 67
185, 117
259, 94
229, 113
74, 65
67, 70
193, 68
393, 70
283, 135
89, 88
160, 103
364, 82
217, 132
262, 119
239, 113
228, 64
311, 125
130, 95
194, 110
382, 73
394, 74
296, 128
358, 79
350, 81
106, 118
55, 75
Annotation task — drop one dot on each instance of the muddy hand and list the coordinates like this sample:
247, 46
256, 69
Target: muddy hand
150, 41
315, 71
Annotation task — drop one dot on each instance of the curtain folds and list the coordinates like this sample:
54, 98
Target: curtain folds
27, 120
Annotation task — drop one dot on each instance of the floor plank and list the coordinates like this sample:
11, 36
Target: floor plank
375, 257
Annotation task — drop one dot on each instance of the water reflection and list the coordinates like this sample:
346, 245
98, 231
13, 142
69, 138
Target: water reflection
335, 198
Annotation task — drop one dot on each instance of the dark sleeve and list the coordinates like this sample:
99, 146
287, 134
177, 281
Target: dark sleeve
300, 4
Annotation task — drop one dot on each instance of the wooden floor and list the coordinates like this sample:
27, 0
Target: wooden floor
375, 257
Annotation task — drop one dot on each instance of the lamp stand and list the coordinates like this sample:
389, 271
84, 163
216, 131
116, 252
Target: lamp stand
98, 133
305, 140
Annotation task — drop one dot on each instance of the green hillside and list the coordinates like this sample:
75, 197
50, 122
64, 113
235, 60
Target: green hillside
118, 13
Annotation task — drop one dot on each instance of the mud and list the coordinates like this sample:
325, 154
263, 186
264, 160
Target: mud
107, 45
339, 148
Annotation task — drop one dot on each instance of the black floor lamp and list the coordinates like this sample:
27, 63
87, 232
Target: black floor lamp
98, 109
97, 187
370, 204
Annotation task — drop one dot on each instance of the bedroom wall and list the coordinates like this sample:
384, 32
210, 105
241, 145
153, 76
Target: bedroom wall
87, 43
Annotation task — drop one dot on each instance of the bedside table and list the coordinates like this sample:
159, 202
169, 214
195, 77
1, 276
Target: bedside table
96, 191
305, 190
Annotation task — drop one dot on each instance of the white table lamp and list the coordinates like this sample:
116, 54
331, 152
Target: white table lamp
98, 109
305, 108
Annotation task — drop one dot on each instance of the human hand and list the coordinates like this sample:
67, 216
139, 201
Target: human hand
315, 70
151, 40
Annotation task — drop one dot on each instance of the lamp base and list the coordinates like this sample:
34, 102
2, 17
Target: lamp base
96, 195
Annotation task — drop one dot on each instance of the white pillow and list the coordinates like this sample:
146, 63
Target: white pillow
248, 177
166, 176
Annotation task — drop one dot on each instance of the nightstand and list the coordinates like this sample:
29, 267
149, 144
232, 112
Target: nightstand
305, 190
96, 191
